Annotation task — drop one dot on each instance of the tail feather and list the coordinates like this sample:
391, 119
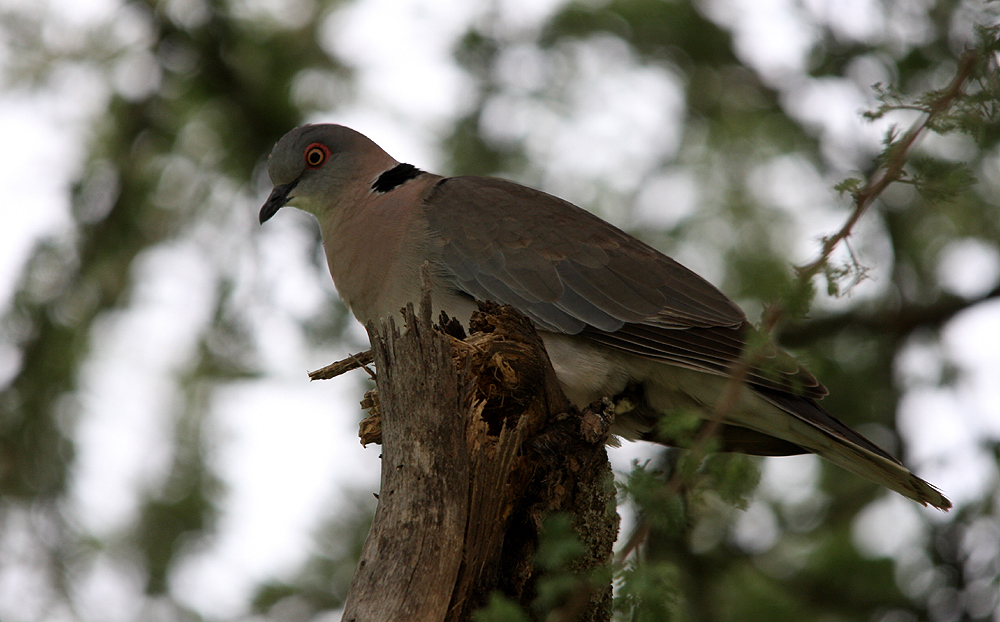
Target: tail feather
825, 436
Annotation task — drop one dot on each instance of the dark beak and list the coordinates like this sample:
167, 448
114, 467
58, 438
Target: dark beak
279, 197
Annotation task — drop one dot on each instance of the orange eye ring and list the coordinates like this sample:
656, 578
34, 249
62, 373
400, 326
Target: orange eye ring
316, 155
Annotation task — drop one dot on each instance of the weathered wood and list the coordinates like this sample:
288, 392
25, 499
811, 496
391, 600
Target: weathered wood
478, 446
412, 555
351, 363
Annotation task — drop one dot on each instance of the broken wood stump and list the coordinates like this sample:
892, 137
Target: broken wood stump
479, 447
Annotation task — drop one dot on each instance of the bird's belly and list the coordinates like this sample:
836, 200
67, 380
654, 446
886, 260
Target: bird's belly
587, 373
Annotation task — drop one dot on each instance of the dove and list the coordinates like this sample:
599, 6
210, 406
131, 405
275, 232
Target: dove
618, 318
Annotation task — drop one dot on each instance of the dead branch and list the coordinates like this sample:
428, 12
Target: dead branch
352, 362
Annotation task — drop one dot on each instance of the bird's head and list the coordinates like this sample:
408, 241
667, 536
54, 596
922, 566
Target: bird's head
313, 167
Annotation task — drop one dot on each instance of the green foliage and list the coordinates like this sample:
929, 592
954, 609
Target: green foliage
940, 181
849, 185
659, 505
733, 477
558, 546
649, 592
841, 278
680, 426
321, 584
653, 28
500, 609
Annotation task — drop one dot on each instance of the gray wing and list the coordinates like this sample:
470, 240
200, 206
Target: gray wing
571, 272
574, 273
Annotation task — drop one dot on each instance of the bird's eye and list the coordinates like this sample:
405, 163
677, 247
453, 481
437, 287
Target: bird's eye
316, 155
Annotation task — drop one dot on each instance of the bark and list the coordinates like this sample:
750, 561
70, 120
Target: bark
479, 446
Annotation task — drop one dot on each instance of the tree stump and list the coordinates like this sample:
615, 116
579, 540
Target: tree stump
479, 446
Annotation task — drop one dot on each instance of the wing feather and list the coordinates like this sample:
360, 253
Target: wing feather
539, 246
573, 273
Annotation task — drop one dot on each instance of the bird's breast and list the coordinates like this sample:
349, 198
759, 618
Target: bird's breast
375, 250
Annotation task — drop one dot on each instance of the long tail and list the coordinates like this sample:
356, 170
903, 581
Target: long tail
825, 436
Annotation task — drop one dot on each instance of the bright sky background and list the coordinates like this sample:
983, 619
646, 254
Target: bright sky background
283, 429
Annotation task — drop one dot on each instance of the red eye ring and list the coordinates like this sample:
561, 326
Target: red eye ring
316, 155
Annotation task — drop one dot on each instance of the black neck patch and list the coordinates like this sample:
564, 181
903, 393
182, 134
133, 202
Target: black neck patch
395, 177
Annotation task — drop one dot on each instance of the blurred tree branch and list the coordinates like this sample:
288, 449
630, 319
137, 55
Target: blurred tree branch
899, 322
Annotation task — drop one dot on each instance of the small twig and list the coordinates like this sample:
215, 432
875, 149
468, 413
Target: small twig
352, 362
892, 169
637, 537
364, 366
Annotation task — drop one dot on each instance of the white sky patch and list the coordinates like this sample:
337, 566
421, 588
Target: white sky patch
919, 363
137, 75
408, 87
288, 14
943, 443
129, 392
972, 340
622, 457
944, 426
888, 527
756, 529
522, 69
969, 267
47, 130
110, 591
790, 479
792, 183
954, 147
869, 69
286, 450
666, 199
834, 106
860, 20
25, 592
83, 14
907, 23
284, 268
623, 118
611, 123
774, 36
402, 51
517, 14
34, 206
